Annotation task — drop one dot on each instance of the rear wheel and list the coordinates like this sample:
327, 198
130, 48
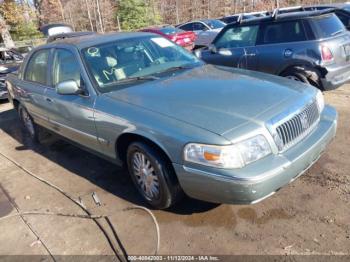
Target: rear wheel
153, 175
303, 74
296, 76
28, 124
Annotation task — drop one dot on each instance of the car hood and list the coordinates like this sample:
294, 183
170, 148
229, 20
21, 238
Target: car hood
217, 98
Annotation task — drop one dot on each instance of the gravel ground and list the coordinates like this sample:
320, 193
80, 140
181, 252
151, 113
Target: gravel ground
309, 216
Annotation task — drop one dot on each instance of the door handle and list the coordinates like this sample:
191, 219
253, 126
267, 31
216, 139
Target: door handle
251, 54
49, 100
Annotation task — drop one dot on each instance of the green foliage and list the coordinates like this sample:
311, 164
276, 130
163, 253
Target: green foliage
136, 14
21, 19
25, 31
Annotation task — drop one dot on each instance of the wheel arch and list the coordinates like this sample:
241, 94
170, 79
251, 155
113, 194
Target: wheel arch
124, 140
312, 72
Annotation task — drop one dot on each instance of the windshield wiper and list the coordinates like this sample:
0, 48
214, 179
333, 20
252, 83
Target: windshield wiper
175, 68
136, 78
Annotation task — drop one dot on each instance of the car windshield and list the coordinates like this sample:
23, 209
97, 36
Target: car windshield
123, 61
327, 26
215, 24
169, 30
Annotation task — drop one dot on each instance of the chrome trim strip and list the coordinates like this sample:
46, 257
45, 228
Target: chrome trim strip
73, 129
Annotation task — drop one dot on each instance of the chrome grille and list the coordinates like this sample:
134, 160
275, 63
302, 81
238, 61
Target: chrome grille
298, 127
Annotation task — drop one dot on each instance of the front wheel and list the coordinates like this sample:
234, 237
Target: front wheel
153, 175
27, 122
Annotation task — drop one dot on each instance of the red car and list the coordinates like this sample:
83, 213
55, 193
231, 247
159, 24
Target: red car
183, 38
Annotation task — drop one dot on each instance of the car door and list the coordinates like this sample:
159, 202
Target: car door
279, 44
34, 84
234, 47
71, 116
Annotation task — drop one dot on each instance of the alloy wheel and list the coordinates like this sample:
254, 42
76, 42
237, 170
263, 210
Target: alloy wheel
145, 175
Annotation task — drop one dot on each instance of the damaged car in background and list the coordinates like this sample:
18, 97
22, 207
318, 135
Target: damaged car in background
10, 61
307, 46
215, 133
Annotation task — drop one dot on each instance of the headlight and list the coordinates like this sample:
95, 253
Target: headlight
231, 156
320, 100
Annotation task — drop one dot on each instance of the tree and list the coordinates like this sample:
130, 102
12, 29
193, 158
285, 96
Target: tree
136, 14
19, 20
5, 34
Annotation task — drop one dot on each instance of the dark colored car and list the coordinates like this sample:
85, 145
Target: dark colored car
183, 38
310, 46
341, 10
10, 61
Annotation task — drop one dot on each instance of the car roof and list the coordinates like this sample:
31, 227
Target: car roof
88, 40
286, 16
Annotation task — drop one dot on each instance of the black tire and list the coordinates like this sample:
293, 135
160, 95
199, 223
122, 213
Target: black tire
296, 74
28, 124
169, 191
304, 74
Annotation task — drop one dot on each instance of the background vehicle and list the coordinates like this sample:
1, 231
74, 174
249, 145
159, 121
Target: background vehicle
218, 134
68, 35
10, 61
54, 29
206, 30
342, 11
234, 18
183, 38
310, 46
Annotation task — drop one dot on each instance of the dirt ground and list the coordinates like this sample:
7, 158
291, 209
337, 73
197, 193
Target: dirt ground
309, 216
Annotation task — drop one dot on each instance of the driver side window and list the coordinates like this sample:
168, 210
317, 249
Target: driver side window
65, 67
242, 36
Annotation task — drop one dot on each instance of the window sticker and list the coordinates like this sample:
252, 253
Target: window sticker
162, 42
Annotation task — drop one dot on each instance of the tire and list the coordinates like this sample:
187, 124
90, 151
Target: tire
28, 124
304, 74
295, 74
153, 175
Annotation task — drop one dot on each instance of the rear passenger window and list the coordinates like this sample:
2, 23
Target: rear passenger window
36, 70
283, 32
238, 37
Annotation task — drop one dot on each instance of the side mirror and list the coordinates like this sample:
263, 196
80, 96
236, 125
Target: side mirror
69, 87
213, 49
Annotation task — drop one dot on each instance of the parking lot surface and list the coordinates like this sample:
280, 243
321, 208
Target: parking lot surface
309, 216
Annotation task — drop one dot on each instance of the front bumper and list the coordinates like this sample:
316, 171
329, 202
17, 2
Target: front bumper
262, 178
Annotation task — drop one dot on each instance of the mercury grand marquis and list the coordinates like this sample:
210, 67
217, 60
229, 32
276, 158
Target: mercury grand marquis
180, 126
